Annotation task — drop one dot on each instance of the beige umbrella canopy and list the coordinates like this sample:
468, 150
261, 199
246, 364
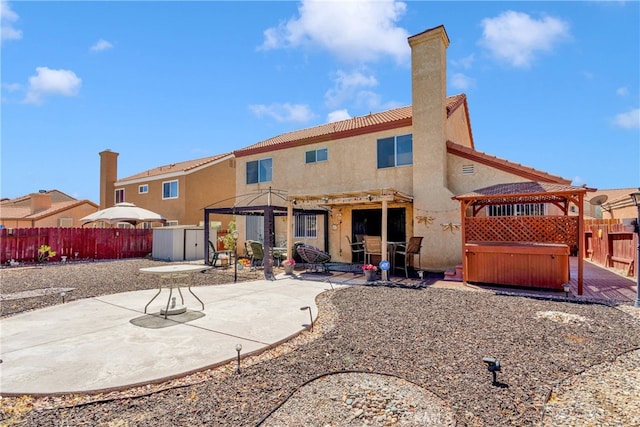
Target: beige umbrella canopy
123, 212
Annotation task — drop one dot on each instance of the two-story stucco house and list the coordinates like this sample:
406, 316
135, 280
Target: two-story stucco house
178, 191
391, 174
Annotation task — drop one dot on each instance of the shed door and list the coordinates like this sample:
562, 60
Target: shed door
193, 245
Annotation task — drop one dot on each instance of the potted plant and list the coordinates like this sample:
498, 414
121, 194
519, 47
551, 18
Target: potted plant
370, 271
243, 262
288, 265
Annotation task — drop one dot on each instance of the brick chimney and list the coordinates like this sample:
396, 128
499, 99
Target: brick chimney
108, 177
40, 201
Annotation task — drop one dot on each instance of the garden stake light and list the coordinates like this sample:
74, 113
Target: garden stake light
306, 307
493, 366
238, 348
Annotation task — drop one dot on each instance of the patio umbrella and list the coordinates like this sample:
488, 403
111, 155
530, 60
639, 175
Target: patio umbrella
123, 212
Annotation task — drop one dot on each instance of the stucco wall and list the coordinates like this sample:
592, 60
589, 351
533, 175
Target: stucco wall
196, 190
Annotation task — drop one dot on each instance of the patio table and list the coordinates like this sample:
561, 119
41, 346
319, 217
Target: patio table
174, 276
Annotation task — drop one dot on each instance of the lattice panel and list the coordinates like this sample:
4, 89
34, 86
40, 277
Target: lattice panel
539, 229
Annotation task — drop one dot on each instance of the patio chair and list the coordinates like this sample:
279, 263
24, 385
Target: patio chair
372, 246
357, 248
407, 251
214, 255
313, 257
257, 253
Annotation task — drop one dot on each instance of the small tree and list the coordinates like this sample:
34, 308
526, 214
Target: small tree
227, 239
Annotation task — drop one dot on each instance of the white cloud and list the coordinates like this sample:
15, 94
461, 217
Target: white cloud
286, 112
7, 18
628, 120
516, 38
349, 86
11, 87
462, 82
465, 62
622, 91
354, 31
51, 82
101, 45
338, 115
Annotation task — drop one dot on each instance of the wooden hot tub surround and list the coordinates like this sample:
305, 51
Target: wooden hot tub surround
536, 265
523, 250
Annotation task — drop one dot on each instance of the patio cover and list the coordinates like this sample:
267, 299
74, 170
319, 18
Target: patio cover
380, 197
269, 212
529, 192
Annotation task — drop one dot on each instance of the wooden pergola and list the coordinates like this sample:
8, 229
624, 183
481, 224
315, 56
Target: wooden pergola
520, 228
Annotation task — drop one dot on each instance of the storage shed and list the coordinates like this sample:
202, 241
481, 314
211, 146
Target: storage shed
180, 243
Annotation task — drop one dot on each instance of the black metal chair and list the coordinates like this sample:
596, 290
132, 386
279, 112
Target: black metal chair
357, 250
407, 251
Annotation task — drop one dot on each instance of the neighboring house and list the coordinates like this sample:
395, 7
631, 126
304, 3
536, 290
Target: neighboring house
51, 208
404, 165
614, 204
178, 191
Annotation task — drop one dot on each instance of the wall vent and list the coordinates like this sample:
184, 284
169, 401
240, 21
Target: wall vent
468, 169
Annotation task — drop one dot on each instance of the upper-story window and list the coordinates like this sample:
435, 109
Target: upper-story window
522, 209
143, 189
170, 190
395, 151
119, 195
313, 156
259, 171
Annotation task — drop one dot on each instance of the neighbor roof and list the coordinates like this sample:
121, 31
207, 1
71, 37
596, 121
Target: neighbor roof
8, 212
176, 168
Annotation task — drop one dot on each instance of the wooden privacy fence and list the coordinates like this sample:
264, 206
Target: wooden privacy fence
613, 246
21, 244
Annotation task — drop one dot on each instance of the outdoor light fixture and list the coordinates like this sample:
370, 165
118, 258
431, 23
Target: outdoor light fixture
238, 348
566, 288
635, 197
63, 294
235, 234
493, 366
310, 315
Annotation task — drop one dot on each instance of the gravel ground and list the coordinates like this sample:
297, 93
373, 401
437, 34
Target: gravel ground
377, 356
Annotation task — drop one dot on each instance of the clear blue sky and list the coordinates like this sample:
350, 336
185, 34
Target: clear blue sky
551, 85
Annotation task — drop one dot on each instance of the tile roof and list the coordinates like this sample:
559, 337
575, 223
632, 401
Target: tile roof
173, 168
372, 122
8, 212
505, 165
56, 196
522, 190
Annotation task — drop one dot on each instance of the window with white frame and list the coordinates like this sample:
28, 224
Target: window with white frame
170, 190
395, 151
119, 195
314, 156
259, 171
522, 209
305, 226
143, 189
